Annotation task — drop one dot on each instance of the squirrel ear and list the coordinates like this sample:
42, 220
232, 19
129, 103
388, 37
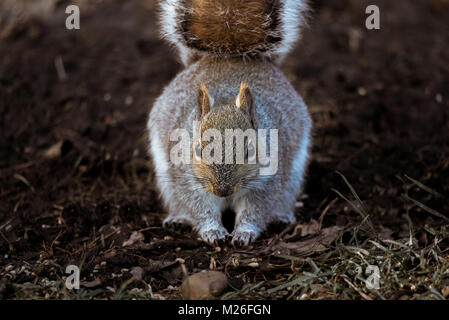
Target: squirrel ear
245, 101
203, 101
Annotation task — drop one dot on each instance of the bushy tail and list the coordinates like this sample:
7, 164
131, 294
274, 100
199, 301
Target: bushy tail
230, 28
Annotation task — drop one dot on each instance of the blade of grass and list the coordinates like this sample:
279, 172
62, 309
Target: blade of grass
351, 188
354, 207
298, 281
119, 295
410, 228
424, 187
292, 283
426, 208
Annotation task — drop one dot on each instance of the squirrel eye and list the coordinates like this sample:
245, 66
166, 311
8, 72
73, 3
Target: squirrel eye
250, 153
198, 150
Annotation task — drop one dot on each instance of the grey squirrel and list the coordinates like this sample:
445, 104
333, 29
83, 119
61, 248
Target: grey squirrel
231, 50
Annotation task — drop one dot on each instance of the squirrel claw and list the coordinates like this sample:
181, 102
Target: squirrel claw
240, 239
214, 236
220, 242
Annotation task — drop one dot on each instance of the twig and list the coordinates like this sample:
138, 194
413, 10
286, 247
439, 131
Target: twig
364, 295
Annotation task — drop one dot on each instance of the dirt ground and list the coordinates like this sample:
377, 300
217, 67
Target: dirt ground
76, 181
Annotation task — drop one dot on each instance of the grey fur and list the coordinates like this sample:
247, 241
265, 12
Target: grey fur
277, 106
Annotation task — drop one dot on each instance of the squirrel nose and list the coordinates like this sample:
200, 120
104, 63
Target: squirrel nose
223, 191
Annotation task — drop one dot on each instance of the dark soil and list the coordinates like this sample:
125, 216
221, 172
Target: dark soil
76, 180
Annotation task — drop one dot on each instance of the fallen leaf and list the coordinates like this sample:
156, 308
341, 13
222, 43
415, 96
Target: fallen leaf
316, 244
302, 230
91, 284
135, 237
158, 266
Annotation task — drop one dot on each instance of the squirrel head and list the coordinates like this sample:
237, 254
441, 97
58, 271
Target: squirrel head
237, 115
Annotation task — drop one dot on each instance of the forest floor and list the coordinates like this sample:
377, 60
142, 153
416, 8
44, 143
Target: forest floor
76, 184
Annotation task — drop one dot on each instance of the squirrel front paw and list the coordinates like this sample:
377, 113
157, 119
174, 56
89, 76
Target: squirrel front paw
214, 235
243, 236
180, 223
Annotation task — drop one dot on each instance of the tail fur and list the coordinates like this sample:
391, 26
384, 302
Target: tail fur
230, 28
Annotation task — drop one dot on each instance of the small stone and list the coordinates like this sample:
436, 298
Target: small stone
137, 273
445, 292
212, 264
204, 285
129, 100
54, 151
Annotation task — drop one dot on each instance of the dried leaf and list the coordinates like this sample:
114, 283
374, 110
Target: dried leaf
135, 237
302, 230
309, 246
91, 284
